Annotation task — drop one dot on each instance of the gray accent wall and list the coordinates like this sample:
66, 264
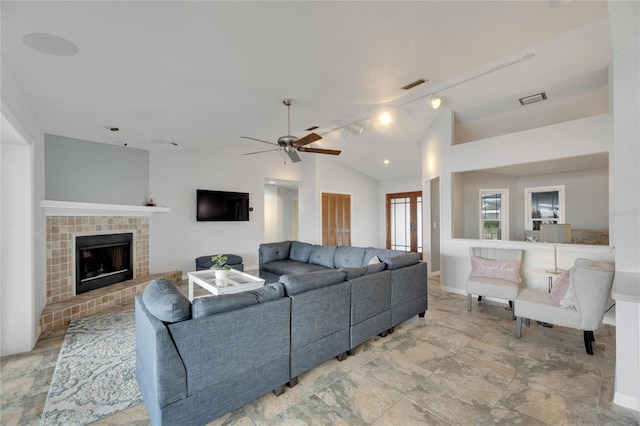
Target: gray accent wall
92, 172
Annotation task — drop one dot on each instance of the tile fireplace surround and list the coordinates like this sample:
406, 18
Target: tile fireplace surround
65, 221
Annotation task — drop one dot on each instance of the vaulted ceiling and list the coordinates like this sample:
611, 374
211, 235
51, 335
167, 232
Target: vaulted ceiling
196, 75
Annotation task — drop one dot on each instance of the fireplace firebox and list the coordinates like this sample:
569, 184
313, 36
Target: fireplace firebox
103, 260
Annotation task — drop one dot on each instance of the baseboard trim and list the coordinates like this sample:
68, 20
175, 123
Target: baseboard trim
626, 401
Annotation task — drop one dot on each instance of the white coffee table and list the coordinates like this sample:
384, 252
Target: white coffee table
235, 282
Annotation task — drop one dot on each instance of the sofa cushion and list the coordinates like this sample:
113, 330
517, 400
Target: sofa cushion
300, 283
376, 267
322, 255
300, 251
353, 273
275, 251
163, 299
348, 257
268, 292
402, 260
288, 267
216, 304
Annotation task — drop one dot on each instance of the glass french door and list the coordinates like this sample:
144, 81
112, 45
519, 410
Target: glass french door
404, 221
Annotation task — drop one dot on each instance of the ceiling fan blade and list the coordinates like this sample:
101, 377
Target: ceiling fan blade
295, 158
259, 140
319, 150
311, 137
260, 152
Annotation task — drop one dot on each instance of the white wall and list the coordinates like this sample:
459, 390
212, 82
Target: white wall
26, 295
625, 24
579, 137
176, 238
335, 178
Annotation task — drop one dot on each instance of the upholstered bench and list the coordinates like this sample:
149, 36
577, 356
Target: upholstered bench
233, 260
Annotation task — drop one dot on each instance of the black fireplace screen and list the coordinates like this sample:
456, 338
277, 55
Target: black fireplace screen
102, 260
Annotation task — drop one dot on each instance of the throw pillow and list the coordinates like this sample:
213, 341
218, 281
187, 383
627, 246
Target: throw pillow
376, 267
322, 255
487, 268
374, 260
560, 287
164, 301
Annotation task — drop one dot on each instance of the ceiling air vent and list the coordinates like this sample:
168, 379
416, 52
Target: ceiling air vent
533, 98
311, 128
414, 84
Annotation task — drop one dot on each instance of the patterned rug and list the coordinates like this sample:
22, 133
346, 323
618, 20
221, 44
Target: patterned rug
95, 376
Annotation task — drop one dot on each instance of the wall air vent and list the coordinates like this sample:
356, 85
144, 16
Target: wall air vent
533, 98
414, 84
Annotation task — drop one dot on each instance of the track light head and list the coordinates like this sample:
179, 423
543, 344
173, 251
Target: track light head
435, 101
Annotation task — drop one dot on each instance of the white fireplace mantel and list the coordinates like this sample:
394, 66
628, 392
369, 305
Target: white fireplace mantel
73, 208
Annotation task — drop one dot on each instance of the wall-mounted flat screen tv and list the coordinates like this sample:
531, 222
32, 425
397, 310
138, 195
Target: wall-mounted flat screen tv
221, 206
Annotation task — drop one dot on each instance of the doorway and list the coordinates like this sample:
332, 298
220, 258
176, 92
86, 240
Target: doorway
404, 221
336, 219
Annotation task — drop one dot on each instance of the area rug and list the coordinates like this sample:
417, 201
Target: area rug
95, 373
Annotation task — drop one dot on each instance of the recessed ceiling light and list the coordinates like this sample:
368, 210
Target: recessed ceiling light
386, 161
114, 129
50, 44
272, 182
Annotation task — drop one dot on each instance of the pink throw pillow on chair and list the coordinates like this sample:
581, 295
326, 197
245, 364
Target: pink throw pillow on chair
560, 287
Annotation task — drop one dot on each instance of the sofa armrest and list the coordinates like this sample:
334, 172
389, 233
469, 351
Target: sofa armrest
402, 260
160, 372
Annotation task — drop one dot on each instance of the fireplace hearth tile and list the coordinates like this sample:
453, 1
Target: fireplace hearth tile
58, 314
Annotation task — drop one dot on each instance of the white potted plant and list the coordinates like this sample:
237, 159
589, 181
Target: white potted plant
220, 266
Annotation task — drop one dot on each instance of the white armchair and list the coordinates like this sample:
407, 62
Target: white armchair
500, 280
589, 289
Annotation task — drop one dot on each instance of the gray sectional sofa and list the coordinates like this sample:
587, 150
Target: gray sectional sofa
197, 361
382, 295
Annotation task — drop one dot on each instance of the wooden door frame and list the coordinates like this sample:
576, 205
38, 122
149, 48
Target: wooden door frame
413, 216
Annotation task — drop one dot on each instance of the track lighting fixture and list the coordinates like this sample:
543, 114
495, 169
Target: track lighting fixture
435, 101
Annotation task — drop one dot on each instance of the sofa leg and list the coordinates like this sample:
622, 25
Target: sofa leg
384, 333
513, 309
527, 321
588, 338
479, 298
391, 330
351, 352
422, 314
342, 356
293, 382
279, 390
518, 327
469, 302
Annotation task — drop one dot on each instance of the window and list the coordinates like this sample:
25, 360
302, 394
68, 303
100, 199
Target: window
543, 205
494, 214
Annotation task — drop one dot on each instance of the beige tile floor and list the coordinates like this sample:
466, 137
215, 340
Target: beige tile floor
450, 368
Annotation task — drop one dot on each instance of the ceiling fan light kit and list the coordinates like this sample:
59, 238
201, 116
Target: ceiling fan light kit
291, 144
